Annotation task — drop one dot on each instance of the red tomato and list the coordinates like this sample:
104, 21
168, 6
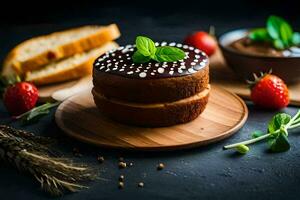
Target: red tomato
202, 41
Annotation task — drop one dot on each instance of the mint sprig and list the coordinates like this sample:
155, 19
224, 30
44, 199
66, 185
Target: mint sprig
276, 136
147, 51
278, 32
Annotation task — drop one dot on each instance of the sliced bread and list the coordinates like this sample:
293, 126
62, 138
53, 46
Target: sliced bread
37, 52
74, 67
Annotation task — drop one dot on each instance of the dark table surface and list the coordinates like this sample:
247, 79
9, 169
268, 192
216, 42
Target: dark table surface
200, 173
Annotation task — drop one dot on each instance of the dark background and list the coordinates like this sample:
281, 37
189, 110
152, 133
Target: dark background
201, 173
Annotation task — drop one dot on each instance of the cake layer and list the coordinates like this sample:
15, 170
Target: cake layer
153, 115
150, 90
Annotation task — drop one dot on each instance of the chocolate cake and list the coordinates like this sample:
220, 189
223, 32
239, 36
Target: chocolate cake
153, 93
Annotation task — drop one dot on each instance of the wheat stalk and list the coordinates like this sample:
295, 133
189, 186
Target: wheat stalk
32, 154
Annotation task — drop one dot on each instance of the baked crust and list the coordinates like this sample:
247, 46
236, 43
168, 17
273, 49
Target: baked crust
97, 39
150, 90
153, 115
79, 70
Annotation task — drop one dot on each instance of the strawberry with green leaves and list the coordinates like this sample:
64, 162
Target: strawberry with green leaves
269, 91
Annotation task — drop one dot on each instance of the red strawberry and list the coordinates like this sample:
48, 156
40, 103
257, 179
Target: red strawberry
20, 97
203, 41
269, 91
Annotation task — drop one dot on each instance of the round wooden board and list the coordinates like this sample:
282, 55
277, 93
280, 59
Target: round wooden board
225, 114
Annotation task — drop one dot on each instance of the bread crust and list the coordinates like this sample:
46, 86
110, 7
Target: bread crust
97, 39
78, 71
166, 115
150, 90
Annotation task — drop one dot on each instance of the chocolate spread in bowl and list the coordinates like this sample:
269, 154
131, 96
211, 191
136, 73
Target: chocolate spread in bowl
245, 45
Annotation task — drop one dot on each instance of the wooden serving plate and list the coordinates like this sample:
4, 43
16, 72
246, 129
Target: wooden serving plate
79, 118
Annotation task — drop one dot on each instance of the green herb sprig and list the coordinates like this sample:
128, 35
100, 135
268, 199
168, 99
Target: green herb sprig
36, 113
278, 32
276, 136
147, 51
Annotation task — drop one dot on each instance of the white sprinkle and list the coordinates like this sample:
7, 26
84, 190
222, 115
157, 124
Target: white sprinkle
171, 72
179, 45
97, 64
160, 70
142, 74
127, 54
197, 56
121, 61
130, 72
107, 70
197, 51
113, 54
114, 60
156, 43
109, 64
128, 58
108, 61
182, 63
191, 48
152, 73
154, 70
137, 70
120, 48
203, 54
148, 67
193, 63
163, 44
119, 56
182, 67
172, 44
114, 68
180, 71
196, 60
191, 70
102, 67
185, 46
157, 64
121, 70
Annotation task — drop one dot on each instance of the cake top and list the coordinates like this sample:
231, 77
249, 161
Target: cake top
119, 62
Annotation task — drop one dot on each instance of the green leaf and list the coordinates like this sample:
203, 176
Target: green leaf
243, 149
278, 44
296, 38
278, 121
286, 34
145, 46
259, 34
168, 54
273, 26
279, 142
140, 58
256, 134
36, 113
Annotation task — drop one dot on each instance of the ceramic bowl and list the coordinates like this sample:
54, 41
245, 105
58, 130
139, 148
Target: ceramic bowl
244, 65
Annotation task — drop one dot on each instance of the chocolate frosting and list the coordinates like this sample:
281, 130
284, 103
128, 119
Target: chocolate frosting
119, 62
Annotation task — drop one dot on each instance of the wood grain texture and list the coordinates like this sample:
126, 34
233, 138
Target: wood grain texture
223, 76
64, 90
225, 114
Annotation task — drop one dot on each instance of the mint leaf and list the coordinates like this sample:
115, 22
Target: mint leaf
145, 46
286, 33
259, 34
140, 58
256, 134
168, 54
296, 38
278, 44
279, 142
277, 121
273, 26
